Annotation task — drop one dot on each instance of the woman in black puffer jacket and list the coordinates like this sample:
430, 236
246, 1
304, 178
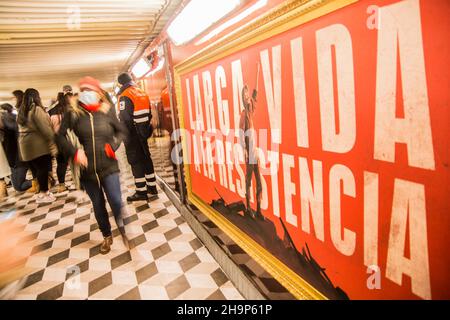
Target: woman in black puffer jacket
100, 134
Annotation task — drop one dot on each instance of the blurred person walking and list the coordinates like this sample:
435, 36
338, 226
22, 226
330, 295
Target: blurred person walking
36, 141
5, 171
18, 96
56, 116
10, 132
134, 113
100, 135
14, 253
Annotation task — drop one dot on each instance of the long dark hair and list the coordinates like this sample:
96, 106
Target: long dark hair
61, 106
31, 98
19, 97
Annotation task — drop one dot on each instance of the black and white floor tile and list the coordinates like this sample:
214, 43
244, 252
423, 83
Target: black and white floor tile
166, 259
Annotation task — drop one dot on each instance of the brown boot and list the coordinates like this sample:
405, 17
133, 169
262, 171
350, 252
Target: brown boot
106, 245
61, 188
34, 187
3, 190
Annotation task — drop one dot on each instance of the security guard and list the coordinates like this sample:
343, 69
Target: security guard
134, 113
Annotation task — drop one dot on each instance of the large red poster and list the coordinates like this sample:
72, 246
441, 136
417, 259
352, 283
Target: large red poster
349, 130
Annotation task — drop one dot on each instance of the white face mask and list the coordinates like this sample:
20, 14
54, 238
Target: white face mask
89, 98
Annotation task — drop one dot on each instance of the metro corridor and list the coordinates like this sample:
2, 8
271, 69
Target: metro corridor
224, 150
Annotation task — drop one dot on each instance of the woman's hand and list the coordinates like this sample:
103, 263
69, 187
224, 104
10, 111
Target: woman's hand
110, 151
81, 158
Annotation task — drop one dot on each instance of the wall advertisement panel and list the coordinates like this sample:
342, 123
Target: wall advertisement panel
317, 138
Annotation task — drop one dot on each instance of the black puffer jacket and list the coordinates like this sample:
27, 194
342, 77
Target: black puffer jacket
94, 130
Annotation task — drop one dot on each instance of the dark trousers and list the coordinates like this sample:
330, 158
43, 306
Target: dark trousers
61, 168
110, 186
33, 171
250, 170
141, 163
40, 166
18, 178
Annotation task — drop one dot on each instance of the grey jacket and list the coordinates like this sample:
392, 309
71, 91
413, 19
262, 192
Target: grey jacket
36, 138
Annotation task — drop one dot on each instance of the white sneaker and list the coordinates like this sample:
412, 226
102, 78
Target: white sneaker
45, 198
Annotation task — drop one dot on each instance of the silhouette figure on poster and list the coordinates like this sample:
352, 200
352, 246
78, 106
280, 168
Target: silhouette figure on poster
247, 139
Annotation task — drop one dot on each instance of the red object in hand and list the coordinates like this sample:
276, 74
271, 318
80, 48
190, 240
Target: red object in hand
110, 152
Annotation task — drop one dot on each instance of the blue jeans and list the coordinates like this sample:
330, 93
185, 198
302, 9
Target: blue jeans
110, 185
18, 178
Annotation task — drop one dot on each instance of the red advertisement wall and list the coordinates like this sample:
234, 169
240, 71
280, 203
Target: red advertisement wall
355, 163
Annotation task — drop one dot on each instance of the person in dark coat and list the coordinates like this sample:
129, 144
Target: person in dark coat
10, 135
100, 135
134, 113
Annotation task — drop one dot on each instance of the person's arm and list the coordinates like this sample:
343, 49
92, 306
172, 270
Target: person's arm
254, 95
126, 106
120, 132
142, 123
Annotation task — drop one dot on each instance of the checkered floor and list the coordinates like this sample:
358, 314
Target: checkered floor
166, 259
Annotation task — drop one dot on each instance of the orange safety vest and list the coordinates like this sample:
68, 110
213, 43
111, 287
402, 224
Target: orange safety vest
139, 98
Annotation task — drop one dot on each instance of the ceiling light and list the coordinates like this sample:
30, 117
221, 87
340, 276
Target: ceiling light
140, 68
229, 23
197, 16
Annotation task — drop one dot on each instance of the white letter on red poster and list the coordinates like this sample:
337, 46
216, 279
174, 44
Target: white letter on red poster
209, 104
311, 196
289, 188
409, 206
273, 90
334, 140
400, 23
238, 84
298, 73
344, 243
222, 104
